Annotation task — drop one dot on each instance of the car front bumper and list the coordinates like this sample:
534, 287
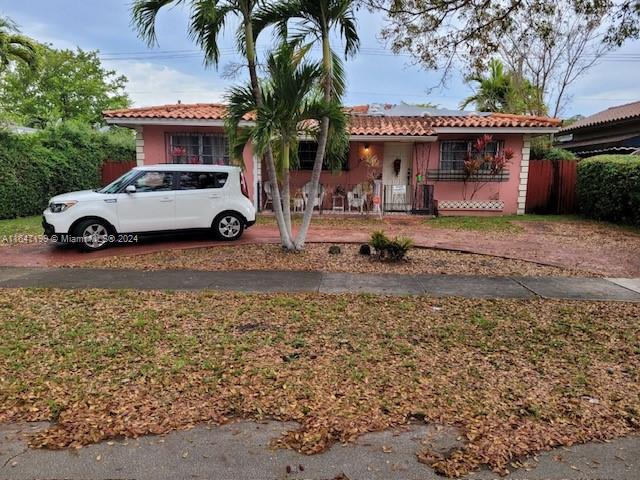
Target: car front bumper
50, 230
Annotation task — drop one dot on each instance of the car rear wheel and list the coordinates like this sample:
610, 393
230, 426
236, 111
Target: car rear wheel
92, 235
228, 226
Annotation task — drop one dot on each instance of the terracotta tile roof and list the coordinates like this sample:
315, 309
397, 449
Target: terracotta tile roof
182, 111
613, 114
388, 125
502, 120
379, 125
360, 123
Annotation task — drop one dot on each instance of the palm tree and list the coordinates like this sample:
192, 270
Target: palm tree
315, 20
208, 18
14, 46
291, 107
493, 91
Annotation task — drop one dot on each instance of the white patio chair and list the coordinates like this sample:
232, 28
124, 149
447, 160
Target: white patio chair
267, 192
318, 201
357, 198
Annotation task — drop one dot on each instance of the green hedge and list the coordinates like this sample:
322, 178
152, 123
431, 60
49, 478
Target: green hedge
608, 188
58, 159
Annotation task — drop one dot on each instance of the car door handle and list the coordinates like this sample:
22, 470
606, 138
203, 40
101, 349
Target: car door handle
215, 195
166, 200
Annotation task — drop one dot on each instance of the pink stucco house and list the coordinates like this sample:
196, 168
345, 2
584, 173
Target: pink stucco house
413, 155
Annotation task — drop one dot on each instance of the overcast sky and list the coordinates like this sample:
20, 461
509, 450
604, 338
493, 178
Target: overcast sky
173, 70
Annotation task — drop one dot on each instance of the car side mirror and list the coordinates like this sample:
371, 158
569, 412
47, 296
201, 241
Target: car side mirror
130, 189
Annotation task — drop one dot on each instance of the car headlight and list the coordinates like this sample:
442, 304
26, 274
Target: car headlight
58, 207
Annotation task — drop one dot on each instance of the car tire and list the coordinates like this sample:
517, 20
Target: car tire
228, 226
92, 235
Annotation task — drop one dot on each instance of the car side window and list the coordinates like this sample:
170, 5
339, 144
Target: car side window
154, 182
202, 180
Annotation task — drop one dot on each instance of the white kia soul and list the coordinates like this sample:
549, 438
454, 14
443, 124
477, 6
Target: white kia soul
153, 199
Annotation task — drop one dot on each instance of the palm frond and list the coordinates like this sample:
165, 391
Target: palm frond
8, 25
277, 15
143, 17
348, 25
240, 102
207, 23
339, 80
24, 51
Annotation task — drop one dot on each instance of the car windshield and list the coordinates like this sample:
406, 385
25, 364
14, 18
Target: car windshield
116, 185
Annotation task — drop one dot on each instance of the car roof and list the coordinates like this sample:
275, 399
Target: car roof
181, 167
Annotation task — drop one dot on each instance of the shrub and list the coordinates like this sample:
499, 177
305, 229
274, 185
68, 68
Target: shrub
365, 249
335, 250
559, 154
540, 146
608, 188
387, 249
58, 159
543, 149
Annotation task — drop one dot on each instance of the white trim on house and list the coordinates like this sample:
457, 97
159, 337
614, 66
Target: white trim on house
393, 138
496, 129
187, 122
524, 174
139, 147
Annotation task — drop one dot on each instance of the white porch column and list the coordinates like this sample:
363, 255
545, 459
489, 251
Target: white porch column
139, 146
257, 179
524, 174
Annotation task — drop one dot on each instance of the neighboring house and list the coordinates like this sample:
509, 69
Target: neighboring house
18, 129
615, 130
420, 155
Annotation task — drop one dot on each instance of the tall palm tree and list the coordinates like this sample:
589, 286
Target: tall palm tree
14, 46
208, 19
493, 92
291, 107
314, 21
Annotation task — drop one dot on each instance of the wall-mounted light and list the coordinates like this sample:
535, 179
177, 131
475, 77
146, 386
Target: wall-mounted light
366, 147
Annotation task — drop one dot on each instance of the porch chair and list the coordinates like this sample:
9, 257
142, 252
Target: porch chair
318, 201
267, 192
357, 198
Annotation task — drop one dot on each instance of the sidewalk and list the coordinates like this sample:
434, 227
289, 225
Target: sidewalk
241, 451
572, 288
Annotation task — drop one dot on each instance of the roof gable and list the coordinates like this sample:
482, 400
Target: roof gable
610, 115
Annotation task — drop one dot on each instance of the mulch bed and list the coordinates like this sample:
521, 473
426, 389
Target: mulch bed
316, 257
515, 376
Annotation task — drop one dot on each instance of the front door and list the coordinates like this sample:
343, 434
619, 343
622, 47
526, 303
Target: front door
396, 170
151, 208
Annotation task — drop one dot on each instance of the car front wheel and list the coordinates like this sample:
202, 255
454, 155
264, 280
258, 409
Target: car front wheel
92, 235
228, 226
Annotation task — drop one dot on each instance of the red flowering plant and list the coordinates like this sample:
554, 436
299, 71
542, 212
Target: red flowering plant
482, 167
177, 152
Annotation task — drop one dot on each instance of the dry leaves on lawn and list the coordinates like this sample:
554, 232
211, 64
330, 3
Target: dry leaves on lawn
516, 377
316, 257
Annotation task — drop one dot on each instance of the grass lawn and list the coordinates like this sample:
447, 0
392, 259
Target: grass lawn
21, 226
326, 220
495, 224
516, 376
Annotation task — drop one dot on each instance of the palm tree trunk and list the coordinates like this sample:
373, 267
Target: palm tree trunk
285, 231
286, 192
327, 62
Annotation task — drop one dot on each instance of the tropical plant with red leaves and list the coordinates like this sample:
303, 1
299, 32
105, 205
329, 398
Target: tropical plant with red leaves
482, 167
